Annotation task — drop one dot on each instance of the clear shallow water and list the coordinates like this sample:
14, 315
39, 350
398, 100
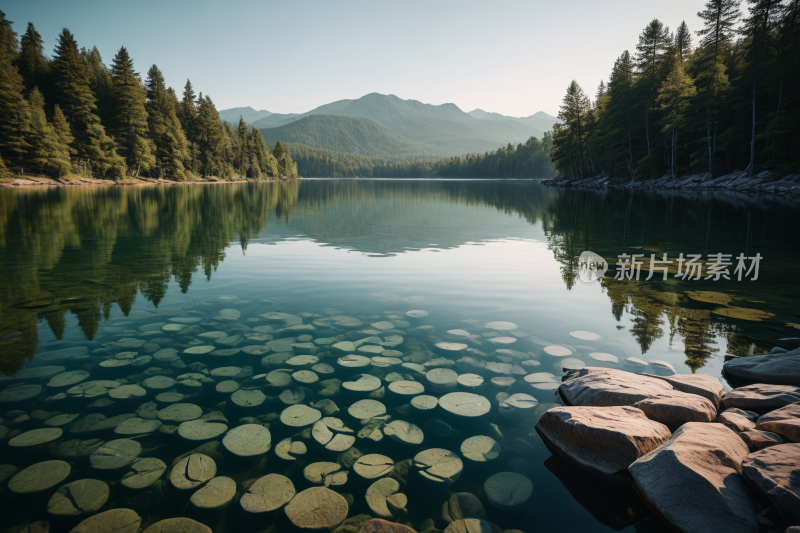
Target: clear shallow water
83, 268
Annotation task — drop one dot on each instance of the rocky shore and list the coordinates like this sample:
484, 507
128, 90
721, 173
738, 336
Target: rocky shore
40, 181
735, 452
763, 183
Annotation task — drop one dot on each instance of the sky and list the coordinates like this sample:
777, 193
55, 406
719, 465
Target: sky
510, 57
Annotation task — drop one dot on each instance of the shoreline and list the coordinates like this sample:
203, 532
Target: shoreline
763, 183
83, 182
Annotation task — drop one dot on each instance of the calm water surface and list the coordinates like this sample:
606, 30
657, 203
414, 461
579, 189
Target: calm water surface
89, 276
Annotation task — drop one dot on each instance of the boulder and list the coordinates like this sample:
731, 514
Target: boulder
693, 481
758, 440
737, 420
606, 387
703, 385
777, 368
604, 440
761, 398
774, 472
784, 421
676, 408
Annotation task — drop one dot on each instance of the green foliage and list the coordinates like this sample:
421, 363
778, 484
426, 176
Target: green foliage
730, 104
33, 65
171, 146
570, 153
14, 113
49, 153
129, 124
347, 134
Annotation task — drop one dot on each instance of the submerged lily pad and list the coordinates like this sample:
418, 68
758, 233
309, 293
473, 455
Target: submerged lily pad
709, 297
753, 315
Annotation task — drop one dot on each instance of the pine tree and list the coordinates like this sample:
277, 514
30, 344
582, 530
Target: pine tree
569, 135
49, 154
719, 17
601, 91
243, 160
278, 151
130, 117
171, 147
100, 84
32, 63
209, 134
759, 28
653, 43
674, 99
683, 41
14, 113
61, 128
188, 112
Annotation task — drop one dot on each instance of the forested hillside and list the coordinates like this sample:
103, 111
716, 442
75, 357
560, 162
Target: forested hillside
439, 129
71, 115
528, 160
350, 135
717, 99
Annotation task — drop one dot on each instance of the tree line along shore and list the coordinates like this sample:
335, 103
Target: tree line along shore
72, 117
725, 105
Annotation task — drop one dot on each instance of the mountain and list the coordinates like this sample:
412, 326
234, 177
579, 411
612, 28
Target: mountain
435, 129
540, 121
347, 134
247, 113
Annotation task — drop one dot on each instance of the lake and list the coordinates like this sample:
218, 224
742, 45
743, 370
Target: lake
242, 301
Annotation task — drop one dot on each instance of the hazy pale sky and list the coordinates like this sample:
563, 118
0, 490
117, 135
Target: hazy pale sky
510, 57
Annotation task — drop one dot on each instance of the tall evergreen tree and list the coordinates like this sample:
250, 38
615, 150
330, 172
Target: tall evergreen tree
130, 117
683, 41
759, 29
674, 99
653, 44
100, 84
569, 135
719, 19
171, 147
188, 111
49, 154
241, 133
209, 134
14, 113
32, 63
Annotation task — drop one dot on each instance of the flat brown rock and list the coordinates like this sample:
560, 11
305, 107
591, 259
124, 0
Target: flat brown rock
758, 440
703, 385
604, 440
784, 421
693, 480
317, 508
771, 368
761, 398
774, 472
675, 408
607, 387
113, 521
737, 420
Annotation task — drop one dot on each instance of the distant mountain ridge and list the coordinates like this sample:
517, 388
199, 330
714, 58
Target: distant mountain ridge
433, 129
249, 114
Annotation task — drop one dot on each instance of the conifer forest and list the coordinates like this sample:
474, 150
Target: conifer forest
716, 99
72, 115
